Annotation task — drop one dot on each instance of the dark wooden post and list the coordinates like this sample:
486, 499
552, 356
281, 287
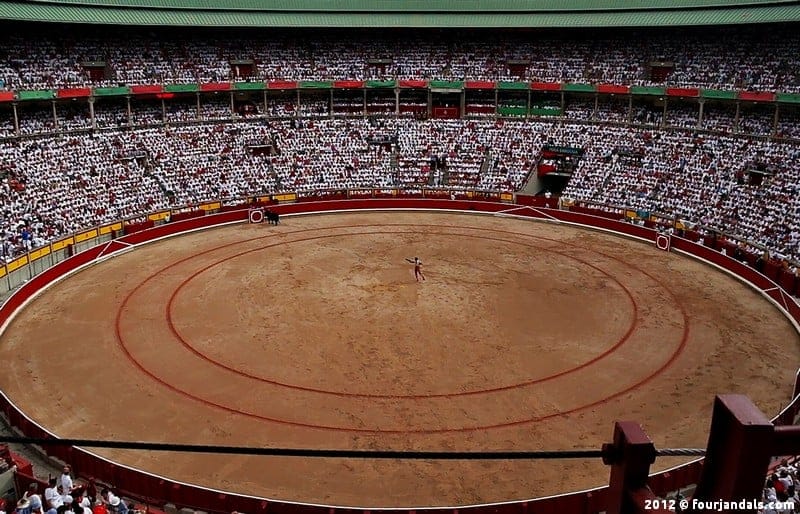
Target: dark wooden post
739, 451
630, 457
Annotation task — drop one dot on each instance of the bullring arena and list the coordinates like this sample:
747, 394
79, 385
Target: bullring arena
526, 335
604, 195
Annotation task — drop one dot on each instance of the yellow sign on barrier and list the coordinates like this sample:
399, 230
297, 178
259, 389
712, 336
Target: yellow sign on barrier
18, 263
288, 197
60, 245
263, 199
506, 197
83, 236
110, 228
158, 216
38, 254
2, 271
210, 206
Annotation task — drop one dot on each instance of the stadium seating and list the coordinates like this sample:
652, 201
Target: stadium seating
56, 186
732, 58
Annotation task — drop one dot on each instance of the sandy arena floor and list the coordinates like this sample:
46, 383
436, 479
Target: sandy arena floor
314, 334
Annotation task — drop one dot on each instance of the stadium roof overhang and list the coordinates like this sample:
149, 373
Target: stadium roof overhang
404, 13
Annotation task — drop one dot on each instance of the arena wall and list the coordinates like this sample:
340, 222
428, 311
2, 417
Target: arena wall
157, 490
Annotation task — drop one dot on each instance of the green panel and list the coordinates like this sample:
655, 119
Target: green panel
374, 84
182, 88
249, 86
511, 111
316, 84
513, 85
111, 91
446, 84
546, 111
40, 94
644, 90
788, 98
579, 88
717, 93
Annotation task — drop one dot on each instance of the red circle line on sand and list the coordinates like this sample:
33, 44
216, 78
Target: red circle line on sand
646, 379
526, 383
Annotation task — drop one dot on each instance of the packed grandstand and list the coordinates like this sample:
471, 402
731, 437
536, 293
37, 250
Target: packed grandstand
697, 145
701, 126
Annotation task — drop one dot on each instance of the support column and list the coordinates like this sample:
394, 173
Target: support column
462, 104
430, 103
55, 116
365, 101
197, 106
130, 121
736, 119
630, 108
266, 106
233, 106
330, 104
528, 104
700, 113
596, 103
776, 120
91, 113
16, 118
297, 107
397, 102
664, 114
163, 110
496, 99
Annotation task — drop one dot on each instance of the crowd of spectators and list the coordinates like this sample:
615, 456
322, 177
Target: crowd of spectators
63, 495
682, 115
782, 487
789, 124
54, 186
743, 186
727, 58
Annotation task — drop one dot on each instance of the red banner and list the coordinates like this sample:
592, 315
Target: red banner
216, 86
6, 96
147, 90
80, 92
613, 89
479, 84
544, 169
546, 86
282, 84
690, 92
757, 96
419, 84
348, 84
445, 112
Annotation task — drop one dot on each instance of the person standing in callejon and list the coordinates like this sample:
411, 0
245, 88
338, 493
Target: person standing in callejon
417, 268
67, 486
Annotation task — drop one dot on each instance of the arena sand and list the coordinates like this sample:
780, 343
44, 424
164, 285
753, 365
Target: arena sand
314, 334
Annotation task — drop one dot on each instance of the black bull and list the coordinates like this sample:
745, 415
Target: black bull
272, 217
